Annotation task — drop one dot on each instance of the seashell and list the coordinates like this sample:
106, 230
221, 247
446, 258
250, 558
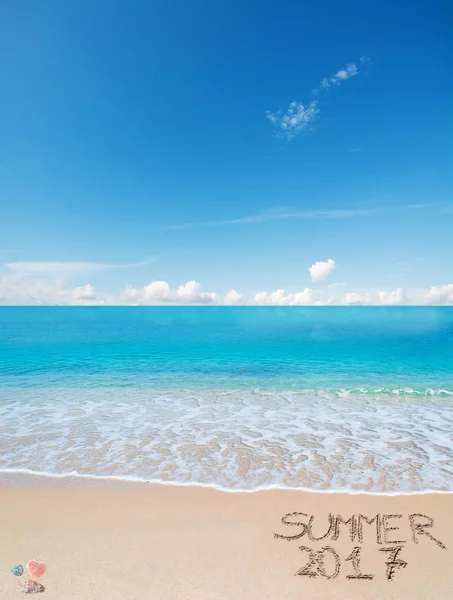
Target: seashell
17, 570
36, 567
31, 587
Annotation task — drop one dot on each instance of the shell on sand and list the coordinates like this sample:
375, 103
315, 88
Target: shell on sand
36, 567
31, 587
17, 570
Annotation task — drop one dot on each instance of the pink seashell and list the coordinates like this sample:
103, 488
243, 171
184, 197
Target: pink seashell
36, 567
31, 587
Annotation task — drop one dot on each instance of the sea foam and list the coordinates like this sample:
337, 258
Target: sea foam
369, 440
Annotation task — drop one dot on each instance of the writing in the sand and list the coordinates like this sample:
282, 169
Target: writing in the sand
327, 563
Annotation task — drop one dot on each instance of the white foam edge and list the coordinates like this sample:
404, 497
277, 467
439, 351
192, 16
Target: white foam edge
139, 480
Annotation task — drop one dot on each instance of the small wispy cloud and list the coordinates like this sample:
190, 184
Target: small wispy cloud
68, 267
339, 77
295, 120
342, 75
298, 116
274, 215
280, 214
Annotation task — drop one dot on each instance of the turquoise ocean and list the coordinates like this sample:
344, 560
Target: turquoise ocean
240, 398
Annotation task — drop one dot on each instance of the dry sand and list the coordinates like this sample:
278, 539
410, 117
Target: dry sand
185, 543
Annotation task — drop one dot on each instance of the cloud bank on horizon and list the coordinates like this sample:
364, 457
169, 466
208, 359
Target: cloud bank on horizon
33, 286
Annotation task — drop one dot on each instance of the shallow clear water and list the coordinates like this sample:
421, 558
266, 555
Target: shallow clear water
241, 397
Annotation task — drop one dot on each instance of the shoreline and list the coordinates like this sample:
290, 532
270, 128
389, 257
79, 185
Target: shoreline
248, 441
27, 478
131, 541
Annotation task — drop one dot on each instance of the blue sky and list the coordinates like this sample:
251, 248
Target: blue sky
142, 142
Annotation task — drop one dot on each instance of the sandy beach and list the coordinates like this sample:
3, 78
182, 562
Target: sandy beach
191, 543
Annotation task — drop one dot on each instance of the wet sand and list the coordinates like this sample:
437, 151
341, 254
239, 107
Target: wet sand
187, 543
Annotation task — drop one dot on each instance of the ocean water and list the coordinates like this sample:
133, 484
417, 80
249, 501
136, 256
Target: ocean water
241, 398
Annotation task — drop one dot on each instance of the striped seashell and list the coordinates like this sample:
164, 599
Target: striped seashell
36, 567
31, 587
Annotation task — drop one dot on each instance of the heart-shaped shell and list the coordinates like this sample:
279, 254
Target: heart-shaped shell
17, 570
36, 567
31, 587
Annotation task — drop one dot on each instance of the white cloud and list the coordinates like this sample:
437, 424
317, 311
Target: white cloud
129, 295
341, 75
302, 298
351, 299
31, 289
160, 292
298, 116
157, 291
14, 292
320, 270
191, 293
279, 298
382, 298
393, 298
295, 120
85, 292
233, 297
19, 291
442, 294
